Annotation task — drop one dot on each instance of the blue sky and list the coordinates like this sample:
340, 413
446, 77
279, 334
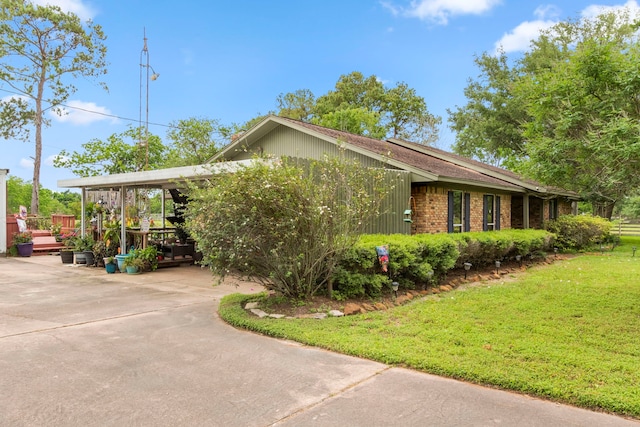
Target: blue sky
229, 60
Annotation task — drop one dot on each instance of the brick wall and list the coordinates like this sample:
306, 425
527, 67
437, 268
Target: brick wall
565, 207
431, 204
431, 207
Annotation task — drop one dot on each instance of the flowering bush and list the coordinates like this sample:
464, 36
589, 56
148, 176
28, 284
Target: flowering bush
23, 237
287, 225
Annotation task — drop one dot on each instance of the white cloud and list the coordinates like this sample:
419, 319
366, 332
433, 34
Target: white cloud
519, 39
81, 113
439, 11
595, 10
78, 7
26, 163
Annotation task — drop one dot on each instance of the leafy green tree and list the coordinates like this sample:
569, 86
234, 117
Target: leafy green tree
51, 202
406, 115
352, 90
296, 105
364, 106
488, 126
120, 153
565, 113
194, 141
287, 225
18, 193
585, 111
40, 47
357, 120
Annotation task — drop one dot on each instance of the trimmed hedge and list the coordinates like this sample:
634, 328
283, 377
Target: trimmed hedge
423, 259
484, 248
579, 232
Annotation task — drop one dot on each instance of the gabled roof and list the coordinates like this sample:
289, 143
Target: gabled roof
427, 163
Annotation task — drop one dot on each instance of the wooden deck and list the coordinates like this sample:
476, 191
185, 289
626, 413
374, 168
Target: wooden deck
44, 243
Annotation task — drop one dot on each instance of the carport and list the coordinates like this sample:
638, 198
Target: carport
161, 179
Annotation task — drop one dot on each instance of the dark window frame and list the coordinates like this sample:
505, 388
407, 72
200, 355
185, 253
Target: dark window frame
490, 212
464, 211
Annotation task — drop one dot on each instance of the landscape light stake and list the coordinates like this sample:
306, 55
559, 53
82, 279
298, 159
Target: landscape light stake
519, 259
498, 267
467, 267
634, 249
395, 286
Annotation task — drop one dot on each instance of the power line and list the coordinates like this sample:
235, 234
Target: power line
95, 112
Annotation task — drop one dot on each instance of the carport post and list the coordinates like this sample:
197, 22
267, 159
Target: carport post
3, 211
83, 193
123, 223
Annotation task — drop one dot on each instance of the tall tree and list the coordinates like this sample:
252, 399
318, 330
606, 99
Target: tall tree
407, 116
488, 126
119, 153
566, 112
363, 105
40, 47
296, 105
194, 141
586, 112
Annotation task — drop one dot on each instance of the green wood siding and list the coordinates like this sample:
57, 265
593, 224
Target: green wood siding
284, 141
392, 219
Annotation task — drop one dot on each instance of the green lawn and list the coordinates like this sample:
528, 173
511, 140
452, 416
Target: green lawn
569, 332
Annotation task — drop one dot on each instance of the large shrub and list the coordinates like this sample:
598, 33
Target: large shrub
579, 232
484, 248
414, 261
423, 259
286, 224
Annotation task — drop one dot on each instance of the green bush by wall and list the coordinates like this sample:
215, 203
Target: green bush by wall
423, 259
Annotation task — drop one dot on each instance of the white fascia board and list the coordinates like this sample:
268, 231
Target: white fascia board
155, 178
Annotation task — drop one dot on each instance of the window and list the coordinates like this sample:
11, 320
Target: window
459, 212
491, 212
553, 209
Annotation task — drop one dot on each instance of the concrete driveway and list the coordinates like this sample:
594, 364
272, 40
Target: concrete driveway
79, 347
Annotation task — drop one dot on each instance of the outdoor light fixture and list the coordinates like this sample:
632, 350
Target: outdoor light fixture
497, 267
407, 215
429, 277
601, 248
634, 249
395, 286
519, 259
467, 267
555, 252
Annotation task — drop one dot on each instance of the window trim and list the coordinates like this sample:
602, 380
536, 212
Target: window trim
494, 205
465, 212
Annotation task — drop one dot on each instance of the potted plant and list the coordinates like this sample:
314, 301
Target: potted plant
83, 249
24, 243
101, 252
110, 264
133, 265
66, 254
149, 257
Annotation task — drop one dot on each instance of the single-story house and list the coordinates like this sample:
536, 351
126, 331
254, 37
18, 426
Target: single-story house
433, 191
436, 192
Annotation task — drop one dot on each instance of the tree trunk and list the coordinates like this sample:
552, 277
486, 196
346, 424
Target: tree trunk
37, 160
603, 209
